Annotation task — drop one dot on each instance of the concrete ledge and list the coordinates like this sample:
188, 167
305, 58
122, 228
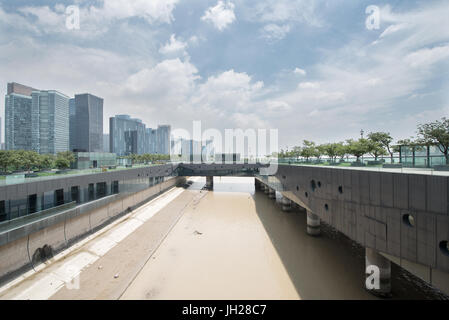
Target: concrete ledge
57, 232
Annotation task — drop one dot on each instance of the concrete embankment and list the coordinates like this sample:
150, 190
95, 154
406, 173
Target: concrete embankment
25, 247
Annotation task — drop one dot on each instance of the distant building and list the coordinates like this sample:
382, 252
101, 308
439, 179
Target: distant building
18, 117
86, 125
72, 124
151, 141
49, 122
106, 143
126, 135
87, 160
163, 139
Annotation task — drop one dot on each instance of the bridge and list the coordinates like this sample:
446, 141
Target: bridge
399, 216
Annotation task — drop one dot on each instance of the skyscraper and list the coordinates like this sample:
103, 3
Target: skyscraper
163, 139
151, 141
18, 117
106, 143
86, 126
49, 122
72, 124
126, 135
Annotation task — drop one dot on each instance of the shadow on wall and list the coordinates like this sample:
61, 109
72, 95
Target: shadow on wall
331, 266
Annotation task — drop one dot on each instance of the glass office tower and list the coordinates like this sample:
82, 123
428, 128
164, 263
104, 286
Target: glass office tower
17, 122
126, 135
87, 134
49, 122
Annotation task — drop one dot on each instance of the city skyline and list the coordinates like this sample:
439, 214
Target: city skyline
305, 67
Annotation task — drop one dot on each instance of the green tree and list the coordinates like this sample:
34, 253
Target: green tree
358, 148
437, 134
5, 159
46, 161
331, 150
376, 149
308, 150
385, 140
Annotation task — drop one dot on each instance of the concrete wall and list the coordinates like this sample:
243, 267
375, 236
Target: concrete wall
372, 207
21, 246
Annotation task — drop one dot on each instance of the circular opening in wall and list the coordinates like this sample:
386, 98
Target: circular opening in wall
297, 188
408, 220
307, 195
319, 184
284, 177
444, 247
313, 185
326, 207
340, 189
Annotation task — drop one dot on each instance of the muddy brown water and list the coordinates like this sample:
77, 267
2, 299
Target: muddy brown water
236, 243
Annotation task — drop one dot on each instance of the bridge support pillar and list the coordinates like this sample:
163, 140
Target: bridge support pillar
266, 189
210, 183
286, 204
378, 273
257, 184
313, 224
271, 193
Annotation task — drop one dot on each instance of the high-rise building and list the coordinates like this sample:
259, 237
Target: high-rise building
163, 139
126, 135
86, 125
151, 141
106, 143
49, 122
18, 117
72, 124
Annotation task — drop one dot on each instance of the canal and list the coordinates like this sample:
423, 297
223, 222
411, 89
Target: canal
236, 243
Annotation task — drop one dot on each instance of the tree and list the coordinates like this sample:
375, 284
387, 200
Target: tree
376, 149
331, 150
46, 161
62, 163
385, 140
436, 133
308, 150
342, 150
358, 148
5, 159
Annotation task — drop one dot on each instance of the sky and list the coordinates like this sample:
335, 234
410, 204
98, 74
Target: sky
313, 70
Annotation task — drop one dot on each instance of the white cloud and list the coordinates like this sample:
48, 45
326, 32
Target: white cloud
309, 85
300, 71
427, 56
152, 11
174, 46
273, 31
221, 16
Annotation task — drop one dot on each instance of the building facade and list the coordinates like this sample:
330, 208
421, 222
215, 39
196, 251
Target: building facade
49, 122
163, 139
87, 123
18, 117
127, 135
106, 143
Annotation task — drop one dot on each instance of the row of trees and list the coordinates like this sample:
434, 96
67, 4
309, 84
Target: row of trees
148, 158
29, 160
376, 144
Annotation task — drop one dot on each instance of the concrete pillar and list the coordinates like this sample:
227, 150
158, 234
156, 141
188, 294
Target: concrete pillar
313, 224
210, 182
378, 273
271, 193
256, 184
267, 189
286, 204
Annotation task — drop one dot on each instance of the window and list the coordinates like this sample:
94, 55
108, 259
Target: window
75, 194
114, 187
101, 190
3, 215
32, 203
59, 197
91, 192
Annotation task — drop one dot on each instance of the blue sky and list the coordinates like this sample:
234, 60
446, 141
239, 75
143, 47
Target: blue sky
308, 68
